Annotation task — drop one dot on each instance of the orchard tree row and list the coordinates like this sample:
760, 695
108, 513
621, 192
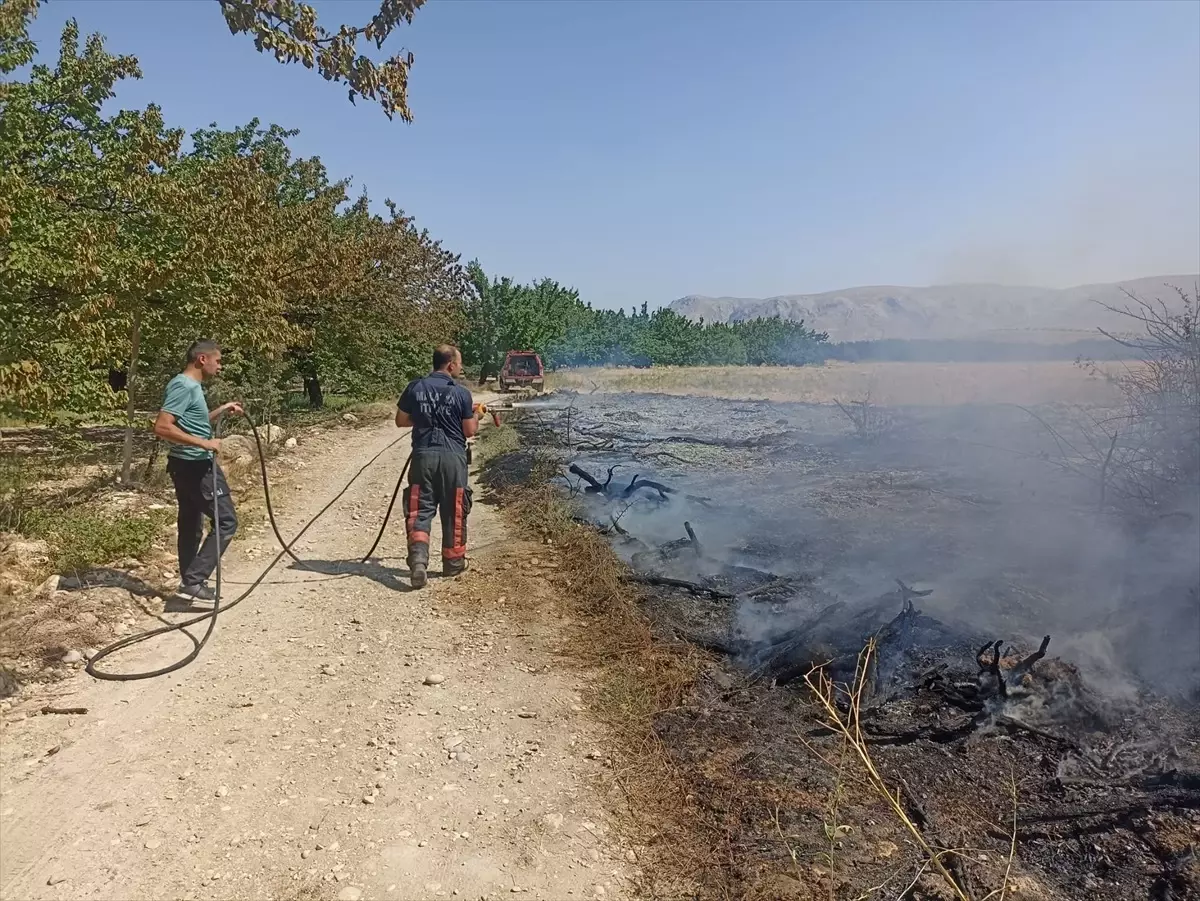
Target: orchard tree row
552, 320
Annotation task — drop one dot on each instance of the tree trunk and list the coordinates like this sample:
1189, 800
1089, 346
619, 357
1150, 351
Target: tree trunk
312, 387
135, 341
154, 449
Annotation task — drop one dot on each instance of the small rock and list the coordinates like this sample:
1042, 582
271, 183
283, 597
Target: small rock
48, 587
349, 417
553, 821
435, 679
73, 656
349, 893
237, 447
305, 854
631, 856
453, 742
464, 757
368, 799
152, 844
290, 443
595, 755
274, 434
222, 791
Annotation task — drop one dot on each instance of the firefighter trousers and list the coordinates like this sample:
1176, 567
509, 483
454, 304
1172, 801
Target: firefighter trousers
437, 483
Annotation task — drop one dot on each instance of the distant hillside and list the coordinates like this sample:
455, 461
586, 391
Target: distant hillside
944, 311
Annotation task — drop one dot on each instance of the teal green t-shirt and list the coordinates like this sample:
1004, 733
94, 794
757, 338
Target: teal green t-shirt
185, 401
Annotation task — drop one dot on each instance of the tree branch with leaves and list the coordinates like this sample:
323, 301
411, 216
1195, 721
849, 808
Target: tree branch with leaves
290, 31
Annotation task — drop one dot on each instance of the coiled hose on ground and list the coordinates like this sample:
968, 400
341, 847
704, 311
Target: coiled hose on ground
211, 615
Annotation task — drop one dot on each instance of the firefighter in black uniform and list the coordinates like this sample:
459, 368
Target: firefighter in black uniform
442, 417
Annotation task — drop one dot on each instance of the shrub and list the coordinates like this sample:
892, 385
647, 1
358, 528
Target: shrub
83, 539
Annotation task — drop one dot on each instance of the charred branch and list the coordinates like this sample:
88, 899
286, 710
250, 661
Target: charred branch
638, 482
1027, 664
668, 582
594, 485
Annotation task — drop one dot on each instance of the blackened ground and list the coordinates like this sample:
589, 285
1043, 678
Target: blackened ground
1095, 751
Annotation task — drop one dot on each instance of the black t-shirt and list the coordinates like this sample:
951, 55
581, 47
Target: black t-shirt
437, 405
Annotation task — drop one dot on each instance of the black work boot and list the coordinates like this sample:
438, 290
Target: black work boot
417, 575
452, 568
418, 569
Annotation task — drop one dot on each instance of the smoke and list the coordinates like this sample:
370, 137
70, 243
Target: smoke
963, 501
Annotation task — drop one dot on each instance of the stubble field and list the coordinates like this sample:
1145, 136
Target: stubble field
888, 384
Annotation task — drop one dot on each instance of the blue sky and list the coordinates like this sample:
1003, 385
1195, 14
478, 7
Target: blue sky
646, 150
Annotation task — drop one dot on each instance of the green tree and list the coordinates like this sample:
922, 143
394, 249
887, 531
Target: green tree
79, 197
502, 315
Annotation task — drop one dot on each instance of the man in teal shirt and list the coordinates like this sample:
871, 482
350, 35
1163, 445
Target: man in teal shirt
186, 423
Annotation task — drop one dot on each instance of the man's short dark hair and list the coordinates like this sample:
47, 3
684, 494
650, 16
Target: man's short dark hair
200, 348
443, 356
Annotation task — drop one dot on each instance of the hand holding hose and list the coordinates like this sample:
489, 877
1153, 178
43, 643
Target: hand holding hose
481, 410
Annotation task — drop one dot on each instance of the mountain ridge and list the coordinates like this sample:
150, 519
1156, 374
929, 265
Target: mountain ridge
962, 310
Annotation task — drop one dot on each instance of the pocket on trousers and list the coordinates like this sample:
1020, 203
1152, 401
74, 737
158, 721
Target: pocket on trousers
206, 484
468, 501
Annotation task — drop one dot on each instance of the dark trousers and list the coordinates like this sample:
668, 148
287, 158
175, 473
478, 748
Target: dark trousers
437, 482
194, 493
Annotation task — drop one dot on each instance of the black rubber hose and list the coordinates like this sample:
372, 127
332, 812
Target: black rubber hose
211, 615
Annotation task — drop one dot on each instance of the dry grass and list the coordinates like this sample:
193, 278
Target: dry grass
888, 384
841, 707
36, 630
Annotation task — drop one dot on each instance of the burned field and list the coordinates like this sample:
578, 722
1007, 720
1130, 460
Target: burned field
937, 670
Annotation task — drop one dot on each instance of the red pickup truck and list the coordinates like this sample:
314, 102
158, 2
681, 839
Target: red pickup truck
522, 369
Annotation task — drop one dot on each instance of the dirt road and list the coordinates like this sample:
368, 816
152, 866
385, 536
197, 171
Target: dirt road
304, 756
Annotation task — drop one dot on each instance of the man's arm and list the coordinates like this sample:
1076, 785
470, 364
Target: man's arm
404, 409
166, 429
470, 418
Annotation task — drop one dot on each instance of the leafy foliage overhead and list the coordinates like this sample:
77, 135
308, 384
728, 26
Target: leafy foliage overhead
290, 31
